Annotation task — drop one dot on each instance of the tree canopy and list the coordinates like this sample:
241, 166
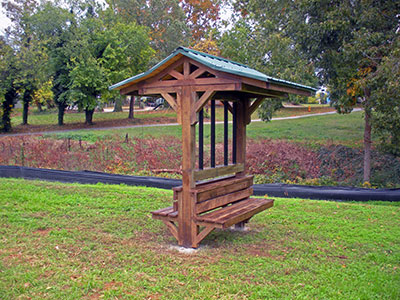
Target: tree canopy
77, 48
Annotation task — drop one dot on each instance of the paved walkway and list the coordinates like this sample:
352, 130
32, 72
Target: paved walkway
159, 125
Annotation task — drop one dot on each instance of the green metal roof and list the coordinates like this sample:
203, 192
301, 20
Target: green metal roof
216, 63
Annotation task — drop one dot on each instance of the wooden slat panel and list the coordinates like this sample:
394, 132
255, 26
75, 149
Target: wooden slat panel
218, 171
236, 185
205, 184
223, 200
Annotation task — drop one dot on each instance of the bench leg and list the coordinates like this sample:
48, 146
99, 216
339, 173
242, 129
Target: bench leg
241, 225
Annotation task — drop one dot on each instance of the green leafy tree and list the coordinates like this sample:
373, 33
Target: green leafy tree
88, 80
166, 20
8, 91
127, 53
30, 53
56, 27
44, 96
264, 47
346, 40
87, 76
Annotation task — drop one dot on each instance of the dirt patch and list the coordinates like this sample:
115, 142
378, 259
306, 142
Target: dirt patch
42, 231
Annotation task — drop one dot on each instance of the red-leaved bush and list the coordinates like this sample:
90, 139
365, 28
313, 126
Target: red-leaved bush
292, 159
273, 160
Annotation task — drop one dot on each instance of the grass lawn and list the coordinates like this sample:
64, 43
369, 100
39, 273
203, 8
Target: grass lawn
345, 129
70, 241
50, 117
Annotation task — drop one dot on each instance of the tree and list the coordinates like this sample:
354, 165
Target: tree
8, 91
386, 99
29, 51
346, 40
201, 17
127, 53
56, 27
44, 96
264, 47
31, 60
166, 20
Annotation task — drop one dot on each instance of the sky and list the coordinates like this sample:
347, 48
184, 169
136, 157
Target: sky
4, 21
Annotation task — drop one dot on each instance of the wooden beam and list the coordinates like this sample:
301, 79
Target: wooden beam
186, 68
176, 74
187, 82
288, 90
172, 228
187, 229
206, 231
203, 99
263, 91
197, 73
171, 101
255, 105
217, 171
209, 70
242, 114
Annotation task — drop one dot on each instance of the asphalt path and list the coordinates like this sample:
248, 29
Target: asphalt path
160, 125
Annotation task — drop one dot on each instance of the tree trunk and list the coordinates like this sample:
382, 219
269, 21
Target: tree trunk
39, 106
367, 147
7, 107
131, 107
89, 116
118, 104
26, 100
61, 111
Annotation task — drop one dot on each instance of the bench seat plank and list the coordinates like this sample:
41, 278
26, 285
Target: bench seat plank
165, 213
235, 213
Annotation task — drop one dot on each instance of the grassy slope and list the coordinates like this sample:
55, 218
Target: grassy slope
346, 129
64, 241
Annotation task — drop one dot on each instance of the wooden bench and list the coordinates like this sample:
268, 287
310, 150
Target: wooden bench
219, 203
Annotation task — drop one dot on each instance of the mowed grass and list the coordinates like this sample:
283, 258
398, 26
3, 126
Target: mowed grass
335, 128
70, 241
50, 117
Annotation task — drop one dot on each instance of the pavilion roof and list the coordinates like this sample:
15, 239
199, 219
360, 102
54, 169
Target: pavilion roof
213, 62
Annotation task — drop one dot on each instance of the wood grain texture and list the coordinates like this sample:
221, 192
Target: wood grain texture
218, 171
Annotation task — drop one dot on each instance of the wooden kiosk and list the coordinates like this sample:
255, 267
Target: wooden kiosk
213, 196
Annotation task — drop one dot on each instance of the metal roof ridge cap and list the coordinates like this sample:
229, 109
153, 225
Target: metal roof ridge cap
215, 57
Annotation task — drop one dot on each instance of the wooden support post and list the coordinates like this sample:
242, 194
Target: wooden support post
187, 229
242, 113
